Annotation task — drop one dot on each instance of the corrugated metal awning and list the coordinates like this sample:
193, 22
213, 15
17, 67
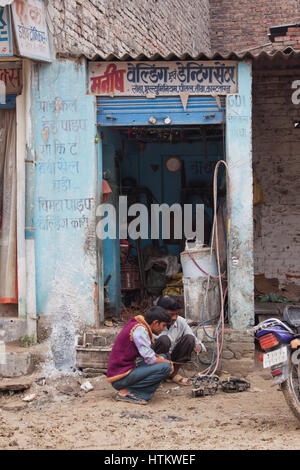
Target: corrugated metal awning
252, 54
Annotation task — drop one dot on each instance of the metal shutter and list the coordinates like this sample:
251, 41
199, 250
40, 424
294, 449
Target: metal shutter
136, 111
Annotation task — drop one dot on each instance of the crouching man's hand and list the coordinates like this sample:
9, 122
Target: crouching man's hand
162, 359
198, 348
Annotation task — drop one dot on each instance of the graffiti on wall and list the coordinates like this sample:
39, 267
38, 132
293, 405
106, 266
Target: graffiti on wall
60, 164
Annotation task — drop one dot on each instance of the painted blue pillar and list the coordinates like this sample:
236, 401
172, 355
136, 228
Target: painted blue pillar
239, 159
111, 247
66, 193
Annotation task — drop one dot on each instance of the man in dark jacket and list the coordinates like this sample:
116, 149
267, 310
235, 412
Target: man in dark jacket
178, 341
134, 369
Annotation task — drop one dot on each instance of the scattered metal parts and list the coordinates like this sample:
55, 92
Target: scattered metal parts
205, 385
232, 385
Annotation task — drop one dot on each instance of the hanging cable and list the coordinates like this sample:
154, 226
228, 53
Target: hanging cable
219, 331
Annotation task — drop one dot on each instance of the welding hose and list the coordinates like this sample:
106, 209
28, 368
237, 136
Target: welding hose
219, 347
202, 270
203, 325
215, 235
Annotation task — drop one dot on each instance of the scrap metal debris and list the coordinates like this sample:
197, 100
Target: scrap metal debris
235, 385
209, 384
205, 385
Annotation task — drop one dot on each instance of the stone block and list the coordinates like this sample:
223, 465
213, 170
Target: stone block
237, 368
227, 354
15, 364
242, 348
94, 358
239, 336
12, 329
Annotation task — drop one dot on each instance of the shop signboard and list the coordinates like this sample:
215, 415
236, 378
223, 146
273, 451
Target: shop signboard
11, 76
31, 29
152, 79
6, 45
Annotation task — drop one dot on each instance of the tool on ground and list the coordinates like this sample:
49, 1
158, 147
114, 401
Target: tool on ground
232, 385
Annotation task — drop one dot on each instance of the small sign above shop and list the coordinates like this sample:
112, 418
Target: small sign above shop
6, 47
31, 29
152, 79
11, 76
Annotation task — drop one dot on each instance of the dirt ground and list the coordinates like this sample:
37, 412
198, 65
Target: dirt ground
62, 416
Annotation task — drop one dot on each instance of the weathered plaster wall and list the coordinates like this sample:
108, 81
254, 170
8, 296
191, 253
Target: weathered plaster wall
65, 194
117, 27
276, 159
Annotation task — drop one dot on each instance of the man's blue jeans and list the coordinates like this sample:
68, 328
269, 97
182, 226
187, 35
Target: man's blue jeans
144, 380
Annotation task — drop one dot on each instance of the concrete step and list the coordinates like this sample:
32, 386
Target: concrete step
16, 361
12, 329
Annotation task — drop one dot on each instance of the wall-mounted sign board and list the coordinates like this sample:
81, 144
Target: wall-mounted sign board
11, 76
31, 29
163, 78
6, 44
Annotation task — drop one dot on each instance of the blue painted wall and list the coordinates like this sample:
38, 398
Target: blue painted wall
66, 190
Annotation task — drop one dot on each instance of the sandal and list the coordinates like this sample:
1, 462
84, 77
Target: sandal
131, 398
178, 379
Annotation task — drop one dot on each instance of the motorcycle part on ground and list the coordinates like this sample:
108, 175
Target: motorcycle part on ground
234, 385
205, 385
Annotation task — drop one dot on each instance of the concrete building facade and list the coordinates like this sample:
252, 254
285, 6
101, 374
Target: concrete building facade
62, 147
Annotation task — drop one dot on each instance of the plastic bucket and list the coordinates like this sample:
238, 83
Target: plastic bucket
202, 256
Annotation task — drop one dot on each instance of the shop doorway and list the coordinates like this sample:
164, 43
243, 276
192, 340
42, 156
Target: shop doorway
158, 165
8, 212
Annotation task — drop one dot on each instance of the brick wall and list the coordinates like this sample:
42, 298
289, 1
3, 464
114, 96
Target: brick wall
242, 24
89, 27
276, 159
290, 38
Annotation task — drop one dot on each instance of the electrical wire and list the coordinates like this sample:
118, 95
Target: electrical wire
49, 20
